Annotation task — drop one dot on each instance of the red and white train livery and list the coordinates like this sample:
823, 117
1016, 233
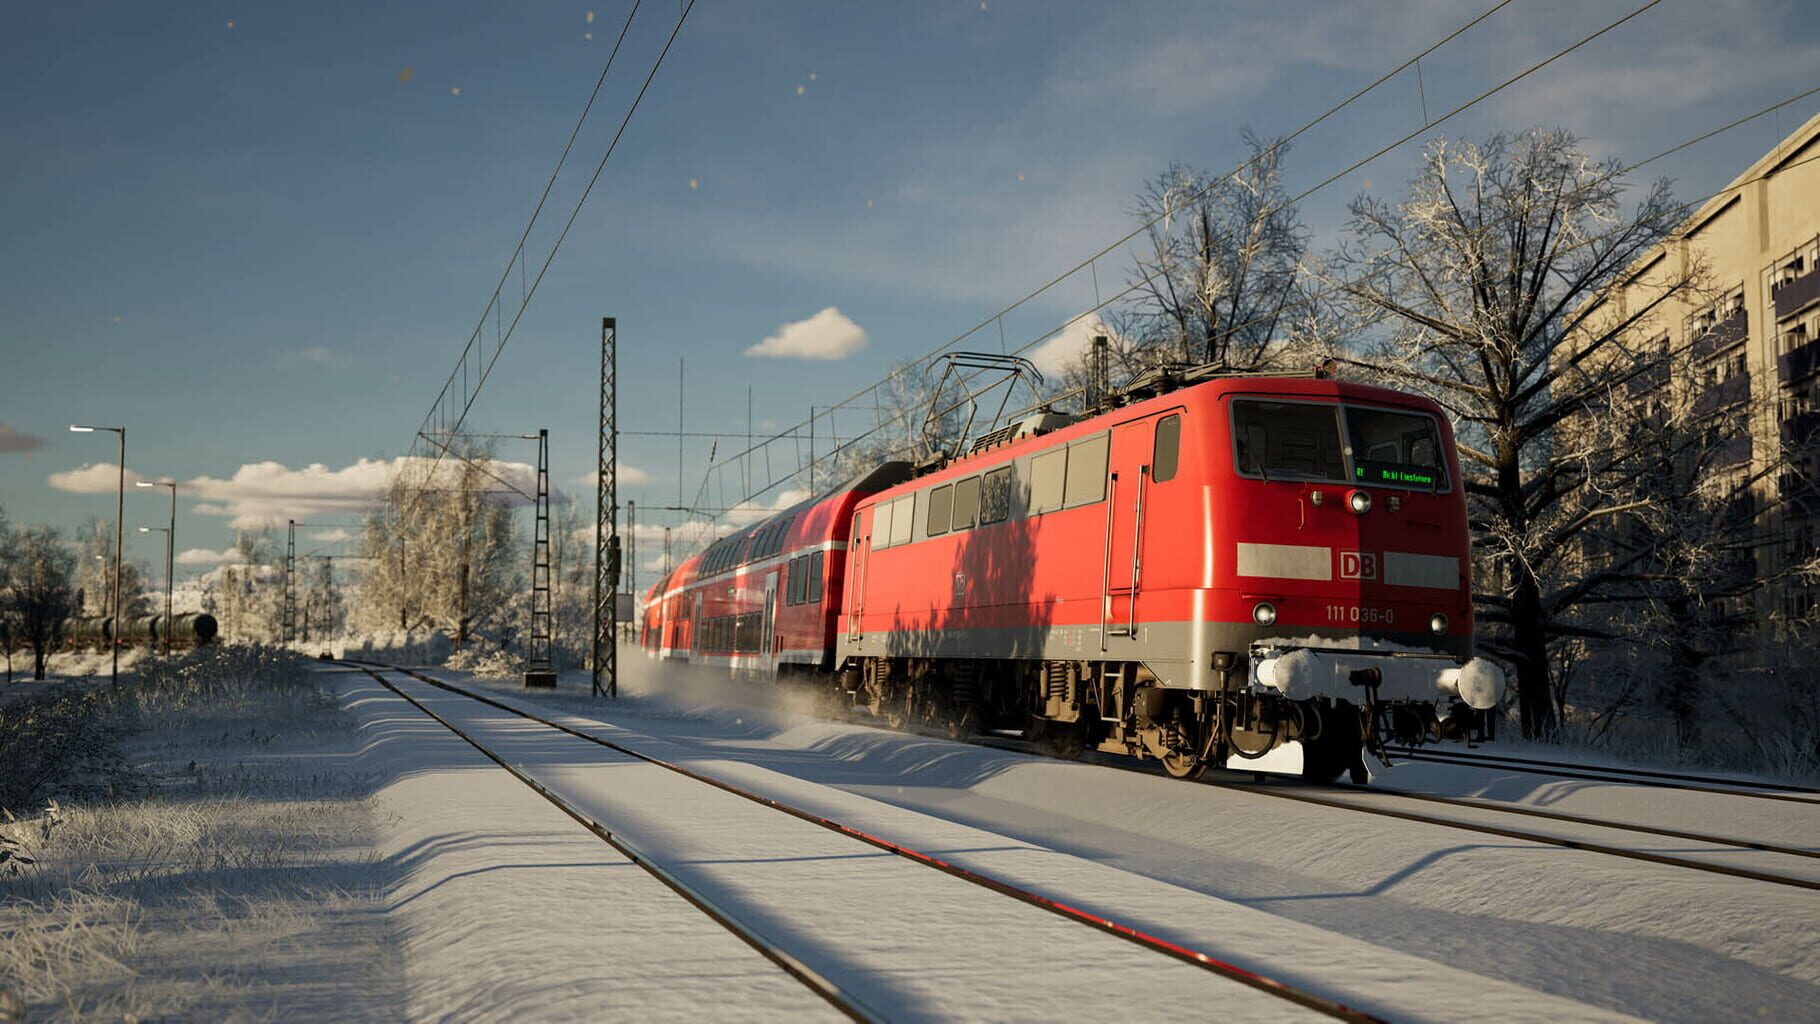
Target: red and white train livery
1264, 572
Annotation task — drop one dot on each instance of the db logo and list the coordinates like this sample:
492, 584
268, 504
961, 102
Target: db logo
1358, 565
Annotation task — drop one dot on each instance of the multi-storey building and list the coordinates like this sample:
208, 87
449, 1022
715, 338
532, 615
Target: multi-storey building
1753, 336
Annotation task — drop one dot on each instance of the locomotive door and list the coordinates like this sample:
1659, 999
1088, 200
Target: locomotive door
1127, 484
767, 642
856, 574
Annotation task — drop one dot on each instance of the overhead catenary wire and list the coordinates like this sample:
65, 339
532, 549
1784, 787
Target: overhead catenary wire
568, 225
1089, 262
1327, 292
1428, 124
543, 197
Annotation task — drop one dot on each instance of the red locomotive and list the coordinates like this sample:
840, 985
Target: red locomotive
1261, 572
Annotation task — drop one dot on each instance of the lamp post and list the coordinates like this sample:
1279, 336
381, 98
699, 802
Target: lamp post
167, 582
170, 554
119, 530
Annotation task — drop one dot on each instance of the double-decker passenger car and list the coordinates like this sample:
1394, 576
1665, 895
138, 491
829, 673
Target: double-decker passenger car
1267, 572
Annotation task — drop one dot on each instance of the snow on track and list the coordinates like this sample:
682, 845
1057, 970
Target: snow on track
1370, 978
1654, 940
507, 909
910, 942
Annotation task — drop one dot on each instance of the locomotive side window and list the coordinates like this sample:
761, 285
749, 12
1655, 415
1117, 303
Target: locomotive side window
881, 525
995, 496
1288, 440
1047, 478
1168, 449
903, 518
966, 502
1087, 471
941, 503
813, 578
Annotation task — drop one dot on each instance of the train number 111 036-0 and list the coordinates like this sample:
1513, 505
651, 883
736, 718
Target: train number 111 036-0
1361, 614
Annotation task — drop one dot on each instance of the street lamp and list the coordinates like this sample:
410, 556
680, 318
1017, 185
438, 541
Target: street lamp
119, 529
170, 553
167, 582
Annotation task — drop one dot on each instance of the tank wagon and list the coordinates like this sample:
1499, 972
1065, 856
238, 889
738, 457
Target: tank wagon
1261, 572
189, 629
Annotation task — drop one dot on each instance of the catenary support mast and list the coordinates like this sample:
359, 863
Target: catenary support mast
606, 520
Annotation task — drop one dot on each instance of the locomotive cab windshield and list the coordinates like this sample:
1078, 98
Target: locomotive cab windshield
1324, 442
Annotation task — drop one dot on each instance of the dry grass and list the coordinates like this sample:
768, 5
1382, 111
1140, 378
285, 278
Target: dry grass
210, 878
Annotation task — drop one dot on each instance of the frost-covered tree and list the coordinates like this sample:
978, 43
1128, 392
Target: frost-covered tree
322, 611
1487, 278
1221, 274
248, 591
442, 551
95, 572
37, 570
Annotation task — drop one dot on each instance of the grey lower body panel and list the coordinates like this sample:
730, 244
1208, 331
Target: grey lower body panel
1179, 653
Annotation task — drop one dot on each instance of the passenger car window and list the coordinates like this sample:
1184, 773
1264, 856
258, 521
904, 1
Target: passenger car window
966, 502
1046, 480
816, 564
1168, 449
941, 501
1087, 471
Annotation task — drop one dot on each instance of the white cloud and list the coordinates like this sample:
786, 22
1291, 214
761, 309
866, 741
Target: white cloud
332, 536
1052, 357
826, 335
203, 556
95, 478
629, 476
263, 494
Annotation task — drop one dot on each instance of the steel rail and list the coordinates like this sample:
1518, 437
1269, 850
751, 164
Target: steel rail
1534, 837
844, 1001
1580, 819
1505, 760
1264, 789
1109, 926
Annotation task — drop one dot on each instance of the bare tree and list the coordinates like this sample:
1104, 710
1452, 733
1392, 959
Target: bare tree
36, 595
1489, 275
95, 572
1223, 266
443, 550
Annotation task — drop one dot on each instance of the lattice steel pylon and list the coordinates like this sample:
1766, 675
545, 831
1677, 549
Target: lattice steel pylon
540, 664
606, 520
290, 581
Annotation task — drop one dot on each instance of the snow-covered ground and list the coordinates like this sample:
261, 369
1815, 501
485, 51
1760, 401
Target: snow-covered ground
216, 864
1327, 888
385, 868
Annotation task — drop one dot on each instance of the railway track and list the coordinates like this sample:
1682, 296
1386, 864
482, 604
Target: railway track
1337, 797
829, 990
1633, 776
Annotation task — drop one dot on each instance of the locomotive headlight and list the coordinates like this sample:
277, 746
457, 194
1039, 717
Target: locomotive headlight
1360, 502
1437, 623
1264, 613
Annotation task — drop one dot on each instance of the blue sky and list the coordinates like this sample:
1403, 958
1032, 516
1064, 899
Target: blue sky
248, 233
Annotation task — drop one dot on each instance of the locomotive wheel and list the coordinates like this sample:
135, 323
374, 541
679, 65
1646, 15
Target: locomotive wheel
1184, 765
